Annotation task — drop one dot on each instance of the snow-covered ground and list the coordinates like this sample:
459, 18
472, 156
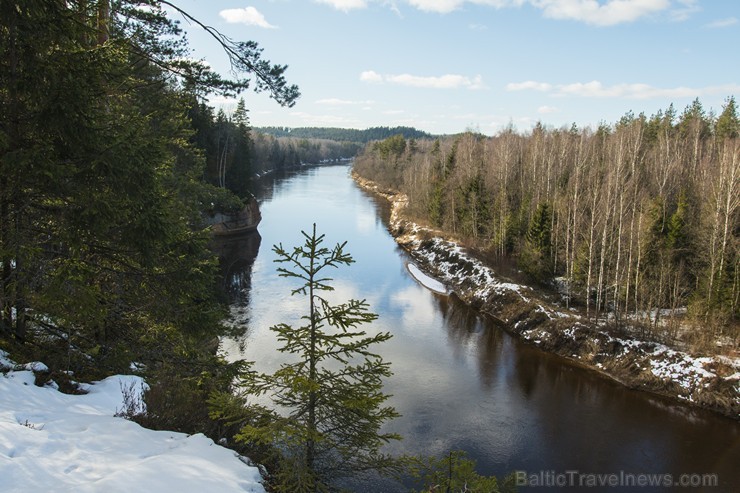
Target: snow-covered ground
55, 442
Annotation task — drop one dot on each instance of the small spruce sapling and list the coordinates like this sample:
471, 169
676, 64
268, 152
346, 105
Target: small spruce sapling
329, 401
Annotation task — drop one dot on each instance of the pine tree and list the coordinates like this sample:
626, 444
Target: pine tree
332, 394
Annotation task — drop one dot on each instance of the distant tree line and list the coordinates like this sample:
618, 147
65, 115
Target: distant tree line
235, 153
629, 218
273, 153
345, 134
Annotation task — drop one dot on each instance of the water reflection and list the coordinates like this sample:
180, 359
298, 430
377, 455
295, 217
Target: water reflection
459, 380
236, 256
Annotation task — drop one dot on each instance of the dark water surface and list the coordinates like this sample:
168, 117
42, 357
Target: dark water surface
459, 381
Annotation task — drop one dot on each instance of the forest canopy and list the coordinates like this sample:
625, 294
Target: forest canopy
633, 219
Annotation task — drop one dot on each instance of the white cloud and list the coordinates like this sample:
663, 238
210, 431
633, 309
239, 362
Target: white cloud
544, 110
688, 7
447, 6
596, 89
248, 15
341, 102
371, 76
222, 101
314, 120
345, 5
447, 81
720, 23
593, 12
477, 83
528, 85
441, 6
391, 4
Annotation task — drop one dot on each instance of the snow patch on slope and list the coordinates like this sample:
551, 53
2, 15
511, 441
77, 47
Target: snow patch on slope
57, 442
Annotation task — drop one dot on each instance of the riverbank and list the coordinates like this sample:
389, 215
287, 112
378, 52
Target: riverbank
711, 382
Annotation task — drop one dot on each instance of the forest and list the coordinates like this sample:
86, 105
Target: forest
345, 134
236, 153
105, 176
636, 222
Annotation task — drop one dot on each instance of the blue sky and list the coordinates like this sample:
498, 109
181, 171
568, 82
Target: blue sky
445, 66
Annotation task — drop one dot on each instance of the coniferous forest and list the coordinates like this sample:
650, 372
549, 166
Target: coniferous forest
103, 178
635, 222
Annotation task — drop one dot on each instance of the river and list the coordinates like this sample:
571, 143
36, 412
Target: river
460, 381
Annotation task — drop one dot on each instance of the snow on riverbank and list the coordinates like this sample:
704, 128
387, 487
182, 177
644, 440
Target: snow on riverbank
50, 441
456, 267
693, 375
712, 382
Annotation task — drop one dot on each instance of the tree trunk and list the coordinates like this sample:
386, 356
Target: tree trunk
312, 361
729, 168
589, 283
103, 22
6, 321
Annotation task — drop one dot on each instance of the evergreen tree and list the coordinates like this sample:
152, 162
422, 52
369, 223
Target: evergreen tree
100, 239
456, 473
242, 164
535, 257
437, 189
728, 123
473, 209
540, 229
332, 395
436, 204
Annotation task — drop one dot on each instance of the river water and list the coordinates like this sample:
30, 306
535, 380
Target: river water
460, 381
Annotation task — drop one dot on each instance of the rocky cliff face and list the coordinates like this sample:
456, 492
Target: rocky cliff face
712, 382
243, 221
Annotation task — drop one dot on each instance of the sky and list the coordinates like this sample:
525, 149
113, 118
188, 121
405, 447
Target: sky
447, 66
